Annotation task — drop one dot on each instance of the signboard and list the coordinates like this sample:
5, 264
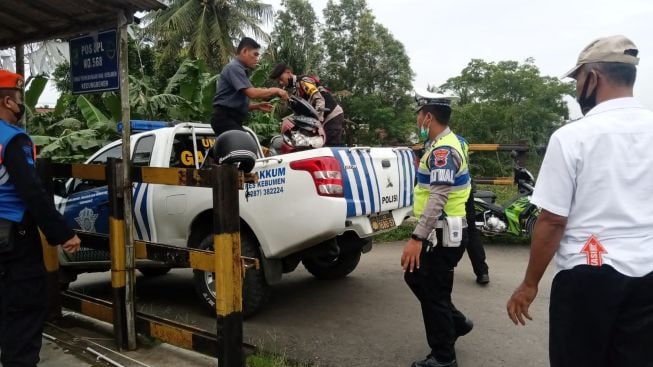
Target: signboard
94, 62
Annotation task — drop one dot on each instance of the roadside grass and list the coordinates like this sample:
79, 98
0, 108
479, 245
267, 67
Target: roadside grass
504, 194
271, 360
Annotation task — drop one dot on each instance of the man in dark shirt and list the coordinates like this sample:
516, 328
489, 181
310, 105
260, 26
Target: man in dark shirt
24, 207
231, 102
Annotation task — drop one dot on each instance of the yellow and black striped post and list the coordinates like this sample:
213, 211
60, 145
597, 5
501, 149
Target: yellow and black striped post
50, 253
228, 265
117, 249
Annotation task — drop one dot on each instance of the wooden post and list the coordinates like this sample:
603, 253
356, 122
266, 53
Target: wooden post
50, 253
20, 69
126, 173
117, 250
228, 265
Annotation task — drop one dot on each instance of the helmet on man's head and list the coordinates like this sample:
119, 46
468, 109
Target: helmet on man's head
426, 98
236, 147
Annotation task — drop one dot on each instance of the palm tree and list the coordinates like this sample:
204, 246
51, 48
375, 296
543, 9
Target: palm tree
207, 29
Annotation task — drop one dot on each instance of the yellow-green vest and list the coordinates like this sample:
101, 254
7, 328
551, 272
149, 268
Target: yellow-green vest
461, 189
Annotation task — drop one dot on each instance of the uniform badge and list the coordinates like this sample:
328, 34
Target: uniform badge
441, 156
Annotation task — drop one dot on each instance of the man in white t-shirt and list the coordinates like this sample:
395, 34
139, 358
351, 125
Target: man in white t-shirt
594, 188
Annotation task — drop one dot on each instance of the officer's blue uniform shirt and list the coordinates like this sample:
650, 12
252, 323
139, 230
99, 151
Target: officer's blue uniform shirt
11, 205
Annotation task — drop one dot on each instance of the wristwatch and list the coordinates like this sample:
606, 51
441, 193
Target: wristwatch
417, 238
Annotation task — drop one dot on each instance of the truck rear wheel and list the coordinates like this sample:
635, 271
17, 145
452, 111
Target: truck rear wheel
333, 267
256, 291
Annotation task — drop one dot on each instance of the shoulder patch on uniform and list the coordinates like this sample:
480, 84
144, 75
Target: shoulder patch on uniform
441, 157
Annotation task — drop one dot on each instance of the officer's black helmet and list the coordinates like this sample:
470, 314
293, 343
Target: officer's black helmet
236, 146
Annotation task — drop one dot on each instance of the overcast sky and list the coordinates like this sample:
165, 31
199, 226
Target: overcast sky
441, 37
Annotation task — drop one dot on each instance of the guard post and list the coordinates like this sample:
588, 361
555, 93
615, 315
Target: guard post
228, 265
115, 185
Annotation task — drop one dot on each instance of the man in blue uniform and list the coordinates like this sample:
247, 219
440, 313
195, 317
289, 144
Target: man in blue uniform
231, 102
24, 207
438, 241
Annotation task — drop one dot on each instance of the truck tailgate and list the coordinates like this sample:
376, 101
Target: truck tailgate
376, 179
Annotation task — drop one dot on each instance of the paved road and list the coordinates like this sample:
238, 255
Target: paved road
369, 318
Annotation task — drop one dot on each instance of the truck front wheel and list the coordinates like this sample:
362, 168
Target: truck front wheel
256, 291
333, 267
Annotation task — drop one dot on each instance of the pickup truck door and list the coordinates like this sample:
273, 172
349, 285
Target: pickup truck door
87, 205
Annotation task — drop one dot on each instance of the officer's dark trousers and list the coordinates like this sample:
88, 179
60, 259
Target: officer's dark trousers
23, 306
333, 131
601, 318
475, 249
432, 285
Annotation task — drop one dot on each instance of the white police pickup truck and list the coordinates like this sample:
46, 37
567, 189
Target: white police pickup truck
319, 207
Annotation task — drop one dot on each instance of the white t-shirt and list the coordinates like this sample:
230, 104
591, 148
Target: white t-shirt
598, 172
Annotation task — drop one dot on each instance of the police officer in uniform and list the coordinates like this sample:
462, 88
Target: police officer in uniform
438, 241
24, 206
594, 188
330, 113
475, 249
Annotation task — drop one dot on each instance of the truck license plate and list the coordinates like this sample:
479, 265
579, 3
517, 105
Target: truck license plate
382, 221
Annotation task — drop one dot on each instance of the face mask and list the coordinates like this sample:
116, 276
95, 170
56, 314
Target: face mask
424, 133
21, 110
587, 102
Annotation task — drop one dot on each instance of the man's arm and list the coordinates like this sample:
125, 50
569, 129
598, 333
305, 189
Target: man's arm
548, 232
39, 204
265, 93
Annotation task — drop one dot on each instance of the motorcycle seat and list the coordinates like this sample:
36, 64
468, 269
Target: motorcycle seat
484, 195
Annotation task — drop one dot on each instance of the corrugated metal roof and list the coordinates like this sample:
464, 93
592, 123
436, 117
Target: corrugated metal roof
26, 21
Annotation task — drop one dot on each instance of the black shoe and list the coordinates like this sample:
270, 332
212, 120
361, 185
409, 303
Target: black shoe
483, 279
464, 328
432, 362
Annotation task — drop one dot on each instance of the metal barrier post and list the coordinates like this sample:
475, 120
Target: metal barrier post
117, 248
50, 253
124, 19
228, 265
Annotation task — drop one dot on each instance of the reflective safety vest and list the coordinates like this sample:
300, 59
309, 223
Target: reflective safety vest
12, 207
461, 189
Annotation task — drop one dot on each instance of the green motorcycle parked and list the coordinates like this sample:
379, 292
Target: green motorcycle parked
517, 216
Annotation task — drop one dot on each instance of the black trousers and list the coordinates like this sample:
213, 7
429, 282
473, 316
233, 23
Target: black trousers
333, 130
23, 308
601, 318
225, 119
475, 249
432, 284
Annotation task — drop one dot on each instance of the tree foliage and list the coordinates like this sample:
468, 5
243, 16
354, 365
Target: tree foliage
371, 71
506, 102
207, 29
295, 37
